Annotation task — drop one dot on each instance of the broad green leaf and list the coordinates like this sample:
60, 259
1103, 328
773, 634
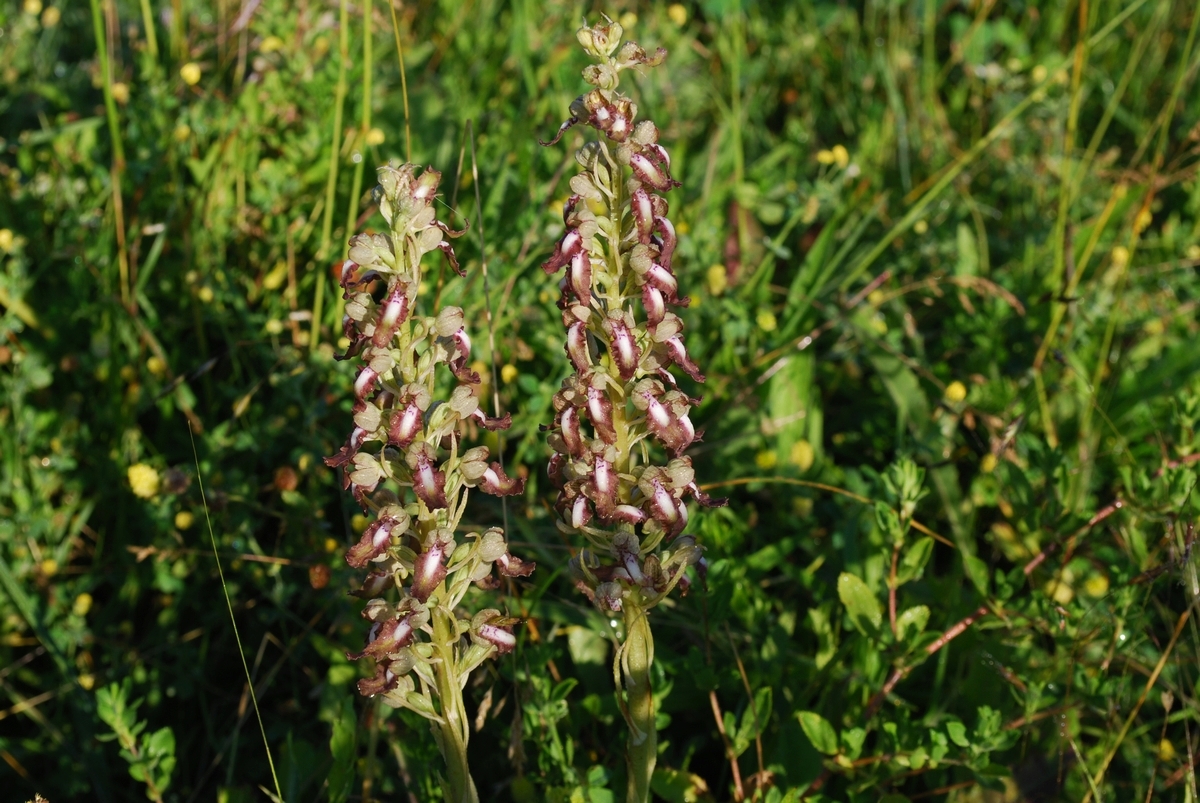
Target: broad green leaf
958, 733
912, 622
819, 732
860, 603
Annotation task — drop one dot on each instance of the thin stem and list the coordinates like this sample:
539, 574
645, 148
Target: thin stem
636, 657
452, 732
331, 184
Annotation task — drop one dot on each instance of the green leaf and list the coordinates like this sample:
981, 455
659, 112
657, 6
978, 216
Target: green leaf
754, 720
912, 565
819, 732
912, 622
977, 570
958, 733
860, 603
343, 747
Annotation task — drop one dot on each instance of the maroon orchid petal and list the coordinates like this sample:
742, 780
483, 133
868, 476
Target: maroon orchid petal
429, 482
489, 423
568, 422
667, 510
395, 312
679, 356
374, 586
599, 408
643, 214
663, 280
570, 245
512, 566
365, 382
562, 129
384, 681
602, 488
374, 542
405, 425
581, 512
347, 276
655, 306
346, 454
495, 482
704, 499
577, 346
628, 514
386, 638
666, 230
554, 469
580, 277
458, 363
624, 350
428, 571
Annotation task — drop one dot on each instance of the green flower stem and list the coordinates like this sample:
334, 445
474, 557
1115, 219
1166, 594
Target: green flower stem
636, 657
451, 733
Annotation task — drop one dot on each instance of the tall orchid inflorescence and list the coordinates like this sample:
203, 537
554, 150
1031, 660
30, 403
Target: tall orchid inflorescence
622, 406
408, 439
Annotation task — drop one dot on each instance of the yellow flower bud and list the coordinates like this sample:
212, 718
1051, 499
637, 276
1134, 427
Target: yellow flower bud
1096, 585
184, 520
144, 480
182, 133
156, 366
1120, 256
190, 73
375, 136
87, 681
331, 544
32, 7
920, 227
358, 523
766, 321
677, 13
1166, 751
988, 464
825, 157
955, 392
508, 374
120, 93
628, 19
50, 17
6, 240
49, 567
1192, 252
205, 294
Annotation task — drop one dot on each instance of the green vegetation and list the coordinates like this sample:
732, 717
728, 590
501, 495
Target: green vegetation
943, 266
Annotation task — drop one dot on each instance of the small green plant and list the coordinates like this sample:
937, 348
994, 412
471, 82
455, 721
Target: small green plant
407, 438
151, 756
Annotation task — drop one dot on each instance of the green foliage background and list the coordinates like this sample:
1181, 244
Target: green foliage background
995, 281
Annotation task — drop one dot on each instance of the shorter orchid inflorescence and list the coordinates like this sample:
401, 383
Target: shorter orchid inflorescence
405, 437
622, 407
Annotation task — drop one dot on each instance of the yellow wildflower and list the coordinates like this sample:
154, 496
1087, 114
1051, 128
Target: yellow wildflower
1096, 585
50, 17
717, 279
190, 73
270, 45
825, 157
988, 464
184, 520
508, 374
955, 392
120, 92
82, 604
802, 455
920, 227
33, 7
375, 136
766, 321
841, 156
677, 13
766, 459
144, 480
6, 240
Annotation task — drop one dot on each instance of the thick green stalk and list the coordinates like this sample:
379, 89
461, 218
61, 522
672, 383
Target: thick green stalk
451, 733
637, 656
